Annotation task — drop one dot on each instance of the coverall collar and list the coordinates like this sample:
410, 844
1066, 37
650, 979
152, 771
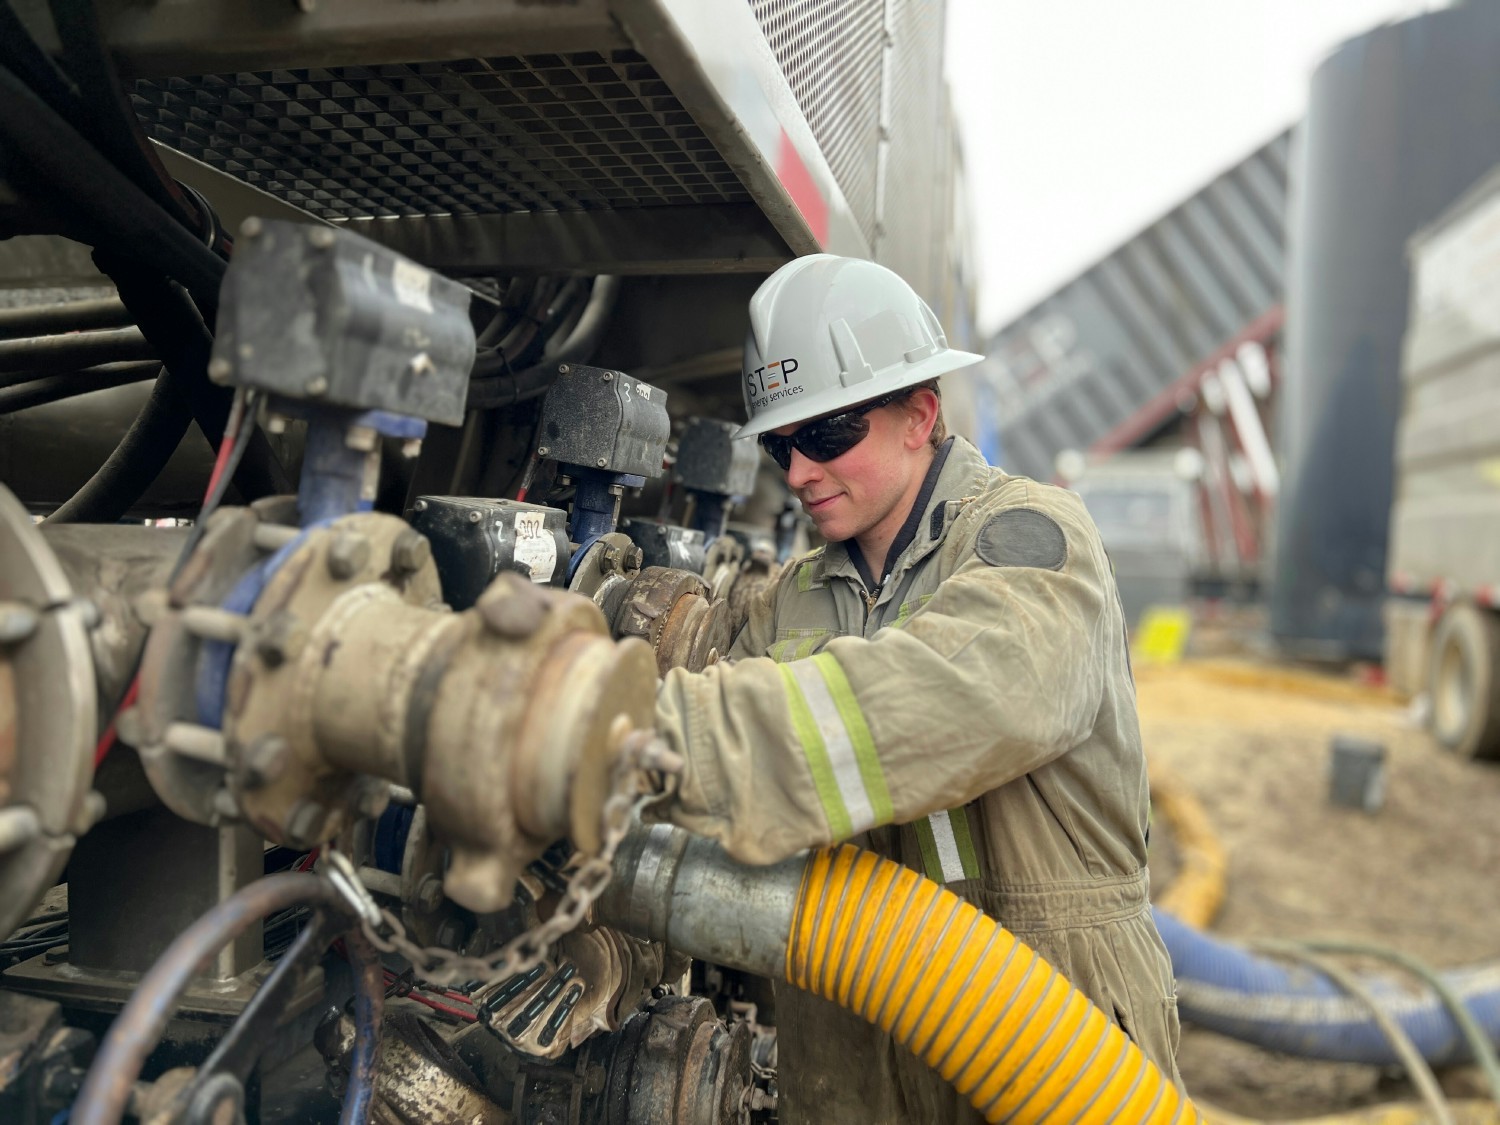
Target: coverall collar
962, 474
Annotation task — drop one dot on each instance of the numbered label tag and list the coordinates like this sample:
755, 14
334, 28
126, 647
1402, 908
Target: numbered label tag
535, 548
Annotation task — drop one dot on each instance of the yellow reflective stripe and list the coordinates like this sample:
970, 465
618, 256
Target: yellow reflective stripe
824, 780
839, 748
777, 652
932, 866
903, 615
805, 649
963, 837
861, 741
804, 577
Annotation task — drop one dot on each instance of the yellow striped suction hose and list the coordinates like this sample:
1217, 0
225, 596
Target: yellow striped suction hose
965, 996
944, 979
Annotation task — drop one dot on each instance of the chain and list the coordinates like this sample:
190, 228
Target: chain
629, 794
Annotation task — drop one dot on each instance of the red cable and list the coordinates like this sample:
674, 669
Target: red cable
223, 457
306, 862
470, 1017
107, 739
411, 994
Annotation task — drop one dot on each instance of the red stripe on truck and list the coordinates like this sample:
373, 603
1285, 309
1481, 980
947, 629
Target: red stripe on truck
803, 189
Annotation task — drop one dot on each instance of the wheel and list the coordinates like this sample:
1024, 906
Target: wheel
1461, 678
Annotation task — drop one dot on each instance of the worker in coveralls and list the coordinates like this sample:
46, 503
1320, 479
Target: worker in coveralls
945, 682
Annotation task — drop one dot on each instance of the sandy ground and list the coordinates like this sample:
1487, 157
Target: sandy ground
1422, 874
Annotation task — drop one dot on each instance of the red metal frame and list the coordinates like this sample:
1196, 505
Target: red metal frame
1166, 403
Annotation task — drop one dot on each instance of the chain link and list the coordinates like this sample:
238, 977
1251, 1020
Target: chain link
630, 792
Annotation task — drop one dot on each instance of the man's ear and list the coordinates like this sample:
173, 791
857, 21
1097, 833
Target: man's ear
921, 415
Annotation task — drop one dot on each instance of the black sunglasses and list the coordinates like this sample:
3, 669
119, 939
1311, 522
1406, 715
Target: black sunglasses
827, 438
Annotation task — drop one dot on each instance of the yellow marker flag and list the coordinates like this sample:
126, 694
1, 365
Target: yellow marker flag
1161, 636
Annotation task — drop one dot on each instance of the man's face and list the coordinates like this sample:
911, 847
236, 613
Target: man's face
857, 490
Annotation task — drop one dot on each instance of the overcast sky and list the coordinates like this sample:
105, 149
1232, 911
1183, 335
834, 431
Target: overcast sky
1084, 120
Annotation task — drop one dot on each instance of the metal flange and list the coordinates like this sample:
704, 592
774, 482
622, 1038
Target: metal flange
674, 612
48, 715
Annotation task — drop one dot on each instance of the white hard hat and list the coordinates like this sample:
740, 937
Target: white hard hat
828, 333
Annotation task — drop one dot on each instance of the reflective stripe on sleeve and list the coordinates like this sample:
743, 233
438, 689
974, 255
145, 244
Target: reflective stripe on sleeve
839, 748
947, 846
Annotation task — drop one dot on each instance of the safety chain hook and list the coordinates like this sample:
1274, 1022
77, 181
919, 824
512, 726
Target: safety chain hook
639, 780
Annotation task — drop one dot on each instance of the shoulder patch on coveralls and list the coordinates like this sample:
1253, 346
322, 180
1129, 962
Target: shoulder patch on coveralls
1022, 537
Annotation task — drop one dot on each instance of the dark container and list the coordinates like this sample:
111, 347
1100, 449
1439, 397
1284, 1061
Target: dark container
1356, 770
1400, 122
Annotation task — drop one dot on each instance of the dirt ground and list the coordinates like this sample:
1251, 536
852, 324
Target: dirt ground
1251, 740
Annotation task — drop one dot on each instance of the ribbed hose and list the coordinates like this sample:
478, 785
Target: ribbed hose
966, 997
1232, 991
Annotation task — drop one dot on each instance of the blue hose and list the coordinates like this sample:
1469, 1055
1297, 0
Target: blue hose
1299, 1011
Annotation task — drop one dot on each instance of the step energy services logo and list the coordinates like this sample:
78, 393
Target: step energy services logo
772, 382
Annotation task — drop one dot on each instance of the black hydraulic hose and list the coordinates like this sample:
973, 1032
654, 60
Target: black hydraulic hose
572, 294
55, 388
139, 1026
492, 387
171, 322
71, 351
505, 315
121, 214
369, 1006
19, 51
71, 316
505, 356
507, 390
137, 461
583, 337
112, 121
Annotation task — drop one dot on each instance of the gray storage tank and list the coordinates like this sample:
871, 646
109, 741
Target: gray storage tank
1400, 122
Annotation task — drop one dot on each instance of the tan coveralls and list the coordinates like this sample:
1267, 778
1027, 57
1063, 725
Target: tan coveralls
975, 719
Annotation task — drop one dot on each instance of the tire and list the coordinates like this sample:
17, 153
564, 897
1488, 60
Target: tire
1461, 679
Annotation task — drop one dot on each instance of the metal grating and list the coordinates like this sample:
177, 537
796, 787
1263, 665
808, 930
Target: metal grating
1085, 359
913, 239
830, 52
584, 131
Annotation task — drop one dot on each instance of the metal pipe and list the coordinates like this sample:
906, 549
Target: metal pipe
369, 1004
19, 825
112, 566
674, 887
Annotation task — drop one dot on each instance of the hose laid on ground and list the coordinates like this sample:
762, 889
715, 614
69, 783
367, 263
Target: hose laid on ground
1227, 989
1481, 1044
1411, 1059
1300, 1012
944, 979
1197, 889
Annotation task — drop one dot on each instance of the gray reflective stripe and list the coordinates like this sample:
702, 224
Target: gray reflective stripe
943, 840
836, 742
